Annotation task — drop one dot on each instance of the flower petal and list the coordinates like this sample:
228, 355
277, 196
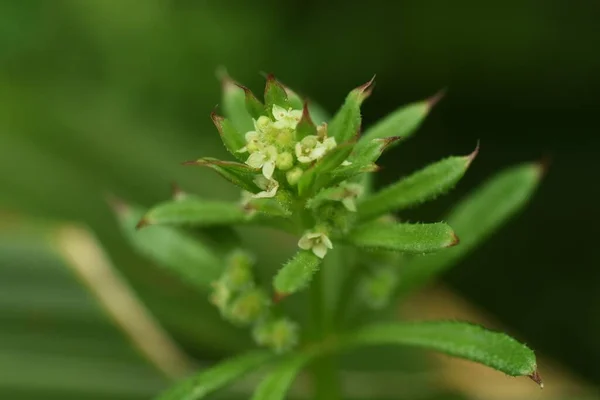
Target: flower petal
268, 169
348, 202
256, 160
305, 243
319, 250
326, 241
279, 113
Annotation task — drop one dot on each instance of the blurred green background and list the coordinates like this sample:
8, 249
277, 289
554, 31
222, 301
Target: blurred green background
110, 96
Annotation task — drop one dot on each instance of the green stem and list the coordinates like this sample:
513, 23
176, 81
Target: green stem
324, 369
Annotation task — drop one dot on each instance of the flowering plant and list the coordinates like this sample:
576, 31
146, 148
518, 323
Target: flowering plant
310, 176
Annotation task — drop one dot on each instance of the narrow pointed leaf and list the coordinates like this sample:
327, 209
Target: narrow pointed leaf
419, 187
230, 136
275, 94
328, 163
318, 114
410, 238
193, 211
234, 105
254, 107
475, 219
171, 249
276, 385
362, 159
475, 343
402, 122
239, 174
306, 126
346, 122
208, 381
296, 273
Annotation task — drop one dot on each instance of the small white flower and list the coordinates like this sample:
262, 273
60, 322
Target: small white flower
252, 142
346, 163
286, 118
351, 192
264, 159
310, 149
269, 187
318, 242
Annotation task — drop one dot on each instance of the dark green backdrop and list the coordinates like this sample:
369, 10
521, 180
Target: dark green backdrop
111, 95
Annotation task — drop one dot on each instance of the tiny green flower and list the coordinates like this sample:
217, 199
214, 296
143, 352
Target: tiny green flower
281, 334
269, 187
318, 242
221, 295
248, 306
238, 274
284, 161
349, 194
286, 119
311, 148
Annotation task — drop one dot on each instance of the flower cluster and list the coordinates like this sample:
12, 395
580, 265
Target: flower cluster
241, 301
274, 146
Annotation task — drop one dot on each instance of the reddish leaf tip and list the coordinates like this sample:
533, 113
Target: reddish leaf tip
192, 162
473, 154
306, 113
176, 192
366, 89
390, 140
543, 165
455, 240
118, 206
277, 297
433, 100
227, 83
142, 223
535, 376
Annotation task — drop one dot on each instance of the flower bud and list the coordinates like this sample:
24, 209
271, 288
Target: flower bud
281, 335
376, 290
284, 161
294, 176
248, 306
238, 274
221, 295
309, 142
263, 123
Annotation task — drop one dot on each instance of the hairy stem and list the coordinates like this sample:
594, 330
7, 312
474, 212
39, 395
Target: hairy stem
324, 369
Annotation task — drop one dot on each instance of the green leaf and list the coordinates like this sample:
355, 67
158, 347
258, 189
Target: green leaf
362, 159
231, 137
239, 174
275, 94
410, 238
346, 122
296, 273
254, 107
234, 105
278, 382
475, 218
316, 176
402, 122
306, 127
458, 339
212, 379
194, 212
179, 253
419, 187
